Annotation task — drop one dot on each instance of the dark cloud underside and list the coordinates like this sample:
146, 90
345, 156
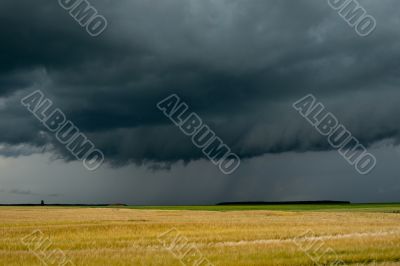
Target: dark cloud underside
238, 64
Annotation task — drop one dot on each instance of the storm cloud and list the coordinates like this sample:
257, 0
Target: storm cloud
238, 64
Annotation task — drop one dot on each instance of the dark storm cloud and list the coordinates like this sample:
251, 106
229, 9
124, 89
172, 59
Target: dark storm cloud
238, 64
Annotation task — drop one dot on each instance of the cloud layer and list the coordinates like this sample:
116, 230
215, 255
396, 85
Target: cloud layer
239, 64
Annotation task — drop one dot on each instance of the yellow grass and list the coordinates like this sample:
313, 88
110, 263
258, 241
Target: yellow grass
101, 236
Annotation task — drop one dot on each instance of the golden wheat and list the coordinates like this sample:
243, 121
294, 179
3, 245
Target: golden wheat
103, 236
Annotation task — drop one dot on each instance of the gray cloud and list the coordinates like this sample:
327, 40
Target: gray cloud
272, 177
25, 192
239, 64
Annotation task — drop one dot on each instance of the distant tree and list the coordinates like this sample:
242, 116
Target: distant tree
42, 203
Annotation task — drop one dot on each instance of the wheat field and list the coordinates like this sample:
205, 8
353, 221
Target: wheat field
124, 236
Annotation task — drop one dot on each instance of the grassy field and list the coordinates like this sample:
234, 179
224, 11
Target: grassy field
221, 235
371, 207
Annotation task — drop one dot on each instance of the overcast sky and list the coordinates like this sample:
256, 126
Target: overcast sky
238, 64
